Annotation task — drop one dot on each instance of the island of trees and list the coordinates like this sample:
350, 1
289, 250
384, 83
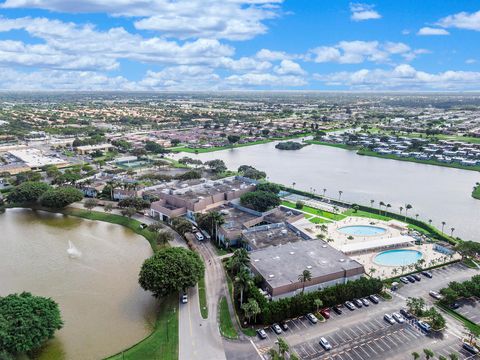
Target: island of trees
289, 145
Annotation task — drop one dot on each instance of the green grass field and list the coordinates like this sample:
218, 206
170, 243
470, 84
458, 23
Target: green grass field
226, 326
162, 344
371, 215
202, 298
314, 211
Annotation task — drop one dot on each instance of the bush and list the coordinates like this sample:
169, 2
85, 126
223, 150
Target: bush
60, 197
134, 202
299, 205
189, 175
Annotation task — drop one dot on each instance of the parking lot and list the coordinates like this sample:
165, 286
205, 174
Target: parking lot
470, 308
367, 340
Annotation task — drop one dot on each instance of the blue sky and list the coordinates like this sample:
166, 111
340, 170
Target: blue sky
240, 44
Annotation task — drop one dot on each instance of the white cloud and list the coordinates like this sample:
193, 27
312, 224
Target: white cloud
361, 12
181, 78
244, 64
403, 77
432, 31
227, 19
289, 67
462, 20
356, 52
264, 80
271, 55
470, 61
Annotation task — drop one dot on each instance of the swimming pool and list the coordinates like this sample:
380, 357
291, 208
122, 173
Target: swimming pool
362, 230
398, 257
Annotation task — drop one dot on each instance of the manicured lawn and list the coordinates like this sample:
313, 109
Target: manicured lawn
317, 220
314, 211
226, 326
202, 298
324, 143
162, 344
371, 215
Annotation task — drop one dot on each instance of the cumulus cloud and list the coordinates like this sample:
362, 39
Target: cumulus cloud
462, 20
356, 52
402, 77
432, 31
271, 55
217, 19
264, 80
362, 12
289, 67
181, 78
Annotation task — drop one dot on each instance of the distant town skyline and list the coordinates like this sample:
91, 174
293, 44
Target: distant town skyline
240, 45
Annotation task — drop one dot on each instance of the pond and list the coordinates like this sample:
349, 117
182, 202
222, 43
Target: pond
89, 268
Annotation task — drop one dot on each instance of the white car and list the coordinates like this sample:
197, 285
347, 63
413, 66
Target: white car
325, 344
276, 328
312, 318
199, 236
435, 295
388, 318
184, 299
399, 318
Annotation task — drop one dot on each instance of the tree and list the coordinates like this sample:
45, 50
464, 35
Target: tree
163, 237
239, 260
251, 172
27, 322
283, 347
60, 197
260, 200
89, 204
416, 305
415, 355
28, 192
305, 276
318, 303
242, 282
216, 166
181, 225
443, 225
453, 356
170, 270
269, 187
407, 207
299, 205
155, 227
210, 222
428, 353
340, 192
435, 319
251, 309
136, 202
128, 212
155, 148
232, 139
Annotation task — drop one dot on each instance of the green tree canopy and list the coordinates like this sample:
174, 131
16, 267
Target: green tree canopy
171, 270
28, 192
60, 197
26, 322
269, 187
260, 200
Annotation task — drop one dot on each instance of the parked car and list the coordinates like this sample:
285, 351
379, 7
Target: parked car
337, 310
411, 278
312, 318
427, 274
350, 305
357, 303
276, 329
470, 348
406, 314
284, 326
435, 295
455, 305
199, 236
261, 334
424, 326
365, 302
325, 344
404, 280
416, 277
374, 299
325, 313
388, 318
184, 298
398, 318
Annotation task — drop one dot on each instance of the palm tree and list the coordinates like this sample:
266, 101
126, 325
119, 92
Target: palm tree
401, 209
388, 207
443, 225
416, 216
239, 260
380, 207
305, 276
340, 192
451, 231
324, 191
407, 207
395, 271
430, 222
371, 203
428, 354
453, 356
282, 347
242, 280
371, 271
293, 184
318, 303
415, 355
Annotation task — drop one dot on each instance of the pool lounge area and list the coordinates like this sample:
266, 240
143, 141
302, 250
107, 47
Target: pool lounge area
362, 230
398, 257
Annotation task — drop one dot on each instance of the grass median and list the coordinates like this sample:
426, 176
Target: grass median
226, 326
202, 298
162, 344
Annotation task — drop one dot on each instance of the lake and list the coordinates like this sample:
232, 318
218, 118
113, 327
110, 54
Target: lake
437, 193
103, 308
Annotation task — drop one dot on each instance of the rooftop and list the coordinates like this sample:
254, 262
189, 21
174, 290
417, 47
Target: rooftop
281, 265
263, 236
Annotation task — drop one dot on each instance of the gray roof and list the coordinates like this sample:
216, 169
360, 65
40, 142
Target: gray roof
281, 265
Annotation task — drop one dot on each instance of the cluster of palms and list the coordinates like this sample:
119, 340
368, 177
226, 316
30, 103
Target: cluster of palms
283, 350
429, 354
420, 264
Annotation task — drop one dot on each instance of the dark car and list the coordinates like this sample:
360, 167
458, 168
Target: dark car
470, 348
337, 310
284, 326
350, 305
427, 274
357, 303
374, 299
411, 278
455, 305
406, 314
416, 277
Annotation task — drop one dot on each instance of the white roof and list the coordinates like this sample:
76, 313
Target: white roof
376, 244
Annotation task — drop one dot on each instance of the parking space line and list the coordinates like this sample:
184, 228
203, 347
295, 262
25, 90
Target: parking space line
368, 345
347, 335
346, 353
384, 343
355, 351
387, 338
359, 329
361, 348
375, 343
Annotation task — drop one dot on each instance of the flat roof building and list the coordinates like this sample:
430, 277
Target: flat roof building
36, 159
279, 266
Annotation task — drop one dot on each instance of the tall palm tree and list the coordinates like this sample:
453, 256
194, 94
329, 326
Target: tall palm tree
293, 184
443, 225
380, 207
340, 192
415, 355
388, 206
453, 356
430, 221
324, 191
401, 209
242, 281
428, 354
371, 203
305, 276
239, 260
416, 216
451, 231
407, 207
